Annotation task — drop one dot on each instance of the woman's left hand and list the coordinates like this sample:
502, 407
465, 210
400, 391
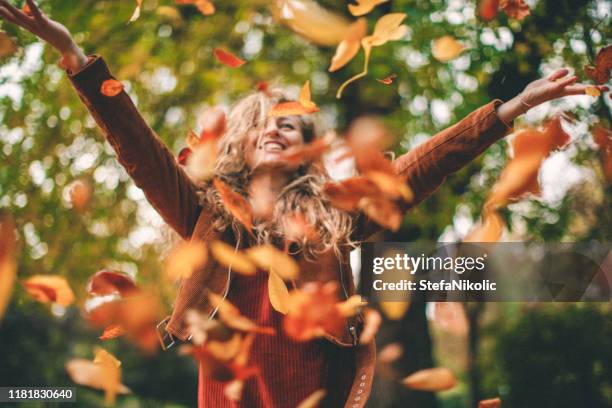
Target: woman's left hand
556, 85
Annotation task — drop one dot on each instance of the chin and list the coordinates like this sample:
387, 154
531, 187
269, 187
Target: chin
275, 163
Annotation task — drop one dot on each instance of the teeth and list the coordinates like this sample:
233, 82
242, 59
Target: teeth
274, 146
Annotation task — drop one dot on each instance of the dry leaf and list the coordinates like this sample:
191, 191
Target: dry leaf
213, 124
600, 73
382, 211
201, 161
446, 48
350, 44
228, 59
310, 20
488, 9
278, 293
108, 282
313, 400
8, 264
431, 379
363, 7
135, 14
235, 204
351, 306
347, 194
490, 403
227, 256
7, 45
104, 373
394, 310
372, 321
388, 80
592, 91
80, 192
183, 156
387, 28
49, 289
304, 106
390, 353
111, 87
205, 7
231, 317
298, 229
112, 331
515, 8
186, 258
270, 258
489, 230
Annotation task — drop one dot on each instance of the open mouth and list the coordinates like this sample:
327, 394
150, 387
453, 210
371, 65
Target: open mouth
273, 146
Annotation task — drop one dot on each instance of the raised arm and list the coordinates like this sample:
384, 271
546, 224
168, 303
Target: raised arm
426, 166
145, 157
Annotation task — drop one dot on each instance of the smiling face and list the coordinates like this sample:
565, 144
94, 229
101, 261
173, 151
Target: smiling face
266, 145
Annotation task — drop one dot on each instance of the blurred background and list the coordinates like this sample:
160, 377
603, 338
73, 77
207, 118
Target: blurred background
531, 355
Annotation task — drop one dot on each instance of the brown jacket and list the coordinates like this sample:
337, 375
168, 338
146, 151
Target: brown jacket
154, 169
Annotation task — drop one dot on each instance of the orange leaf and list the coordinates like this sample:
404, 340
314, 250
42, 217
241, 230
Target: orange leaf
304, 106
314, 399
227, 58
112, 331
297, 228
309, 152
111, 87
490, 403
382, 211
347, 194
600, 73
592, 91
8, 265
184, 259
49, 289
350, 44
184, 155
7, 45
26, 10
272, 259
394, 310
488, 9
205, 7
104, 373
431, 379
390, 353
80, 194
213, 124
387, 80
515, 8
235, 204
363, 7
227, 256
201, 161
231, 317
446, 48
278, 293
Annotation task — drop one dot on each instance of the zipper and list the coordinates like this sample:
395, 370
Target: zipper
351, 328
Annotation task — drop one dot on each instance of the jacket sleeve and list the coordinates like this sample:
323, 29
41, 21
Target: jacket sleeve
139, 150
426, 166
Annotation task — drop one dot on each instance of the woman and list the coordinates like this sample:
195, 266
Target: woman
252, 148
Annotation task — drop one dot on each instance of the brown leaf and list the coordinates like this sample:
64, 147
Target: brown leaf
515, 8
308, 152
600, 73
228, 59
49, 289
490, 403
488, 9
8, 264
201, 162
7, 45
231, 317
347, 194
431, 379
111, 87
297, 228
388, 80
112, 331
107, 282
235, 204
213, 124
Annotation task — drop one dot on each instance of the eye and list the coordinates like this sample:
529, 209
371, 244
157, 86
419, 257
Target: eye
287, 125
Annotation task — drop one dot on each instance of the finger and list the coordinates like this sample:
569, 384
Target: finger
578, 89
8, 16
35, 10
560, 73
562, 83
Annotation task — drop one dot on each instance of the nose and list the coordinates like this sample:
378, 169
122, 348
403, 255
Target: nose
271, 128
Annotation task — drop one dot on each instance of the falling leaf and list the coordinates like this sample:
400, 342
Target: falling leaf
112, 331
347, 194
394, 310
227, 256
80, 192
391, 185
183, 156
235, 204
363, 7
107, 282
387, 28
227, 58
351, 306
592, 91
135, 15
104, 373
201, 162
314, 310
600, 73
231, 317
304, 106
218, 370
388, 80
298, 229
185, 259
488, 9
206, 7
8, 265
7, 45
350, 44
446, 48
372, 321
270, 258
390, 353
49, 289
26, 10
490, 403
213, 124
431, 379
382, 211
111, 87
310, 20
314, 399
515, 8
278, 293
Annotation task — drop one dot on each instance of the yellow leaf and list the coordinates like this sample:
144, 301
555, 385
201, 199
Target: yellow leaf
431, 379
185, 259
364, 6
278, 293
394, 310
592, 91
136, 14
269, 258
446, 48
349, 47
8, 265
227, 256
313, 400
49, 289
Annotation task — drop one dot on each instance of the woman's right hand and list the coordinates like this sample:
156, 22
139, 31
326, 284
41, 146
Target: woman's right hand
50, 31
